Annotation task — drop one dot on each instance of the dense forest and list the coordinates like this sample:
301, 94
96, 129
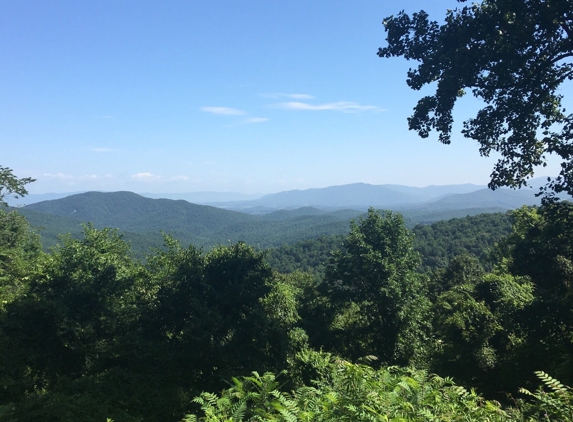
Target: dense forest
437, 243
141, 220
341, 328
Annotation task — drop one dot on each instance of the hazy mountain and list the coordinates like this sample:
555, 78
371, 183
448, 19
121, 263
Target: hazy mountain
204, 197
133, 212
346, 196
360, 196
505, 199
36, 197
297, 212
143, 219
200, 225
272, 220
433, 191
356, 195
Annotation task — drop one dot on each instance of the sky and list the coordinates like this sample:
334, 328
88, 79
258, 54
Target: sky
247, 96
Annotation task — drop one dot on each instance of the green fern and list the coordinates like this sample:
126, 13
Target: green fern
556, 405
551, 382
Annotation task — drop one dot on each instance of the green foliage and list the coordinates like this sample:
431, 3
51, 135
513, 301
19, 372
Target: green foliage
378, 302
97, 333
440, 242
67, 337
10, 185
478, 323
541, 248
555, 405
308, 255
19, 250
462, 270
513, 55
88, 333
437, 243
350, 392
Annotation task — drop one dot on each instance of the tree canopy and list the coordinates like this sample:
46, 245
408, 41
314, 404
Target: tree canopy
379, 299
12, 185
512, 54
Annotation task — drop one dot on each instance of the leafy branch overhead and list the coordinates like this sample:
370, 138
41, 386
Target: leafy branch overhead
514, 55
12, 185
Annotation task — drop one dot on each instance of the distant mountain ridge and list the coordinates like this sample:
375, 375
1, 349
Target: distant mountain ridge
143, 219
355, 195
269, 221
360, 196
501, 198
132, 212
204, 197
200, 225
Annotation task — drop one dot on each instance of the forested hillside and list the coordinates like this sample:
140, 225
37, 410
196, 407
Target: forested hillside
437, 243
142, 220
91, 333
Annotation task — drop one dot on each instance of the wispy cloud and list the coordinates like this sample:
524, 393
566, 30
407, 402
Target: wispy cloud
225, 111
337, 106
256, 120
150, 177
293, 96
145, 177
60, 176
69, 177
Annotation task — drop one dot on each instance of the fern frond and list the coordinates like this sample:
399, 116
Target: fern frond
238, 410
526, 392
551, 382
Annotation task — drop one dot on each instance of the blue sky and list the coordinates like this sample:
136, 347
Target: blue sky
184, 96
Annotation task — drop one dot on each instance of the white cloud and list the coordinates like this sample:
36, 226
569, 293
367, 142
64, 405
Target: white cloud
95, 177
225, 111
256, 120
150, 177
69, 177
60, 176
180, 178
337, 106
293, 96
145, 177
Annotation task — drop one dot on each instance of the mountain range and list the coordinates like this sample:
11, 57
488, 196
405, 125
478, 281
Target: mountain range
269, 221
360, 196
142, 220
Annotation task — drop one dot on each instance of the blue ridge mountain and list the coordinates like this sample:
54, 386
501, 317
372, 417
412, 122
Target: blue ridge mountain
355, 195
360, 196
505, 199
132, 212
204, 197
204, 226
283, 222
